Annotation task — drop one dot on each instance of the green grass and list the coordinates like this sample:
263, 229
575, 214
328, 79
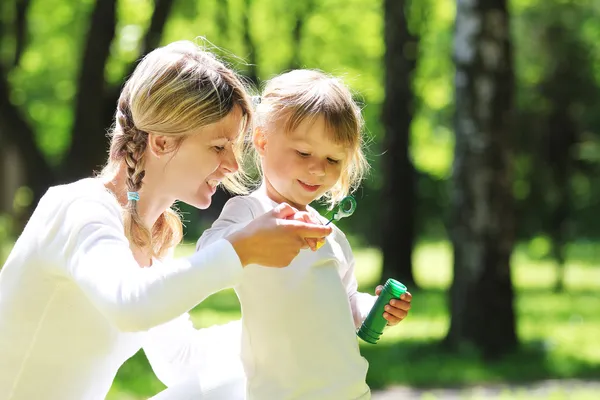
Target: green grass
559, 332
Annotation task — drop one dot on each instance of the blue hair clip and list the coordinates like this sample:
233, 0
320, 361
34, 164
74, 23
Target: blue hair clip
133, 196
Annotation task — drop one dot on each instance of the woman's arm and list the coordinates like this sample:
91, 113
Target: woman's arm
178, 352
98, 259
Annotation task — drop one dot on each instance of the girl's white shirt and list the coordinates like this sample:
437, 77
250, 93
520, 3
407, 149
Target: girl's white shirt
75, 305
299, 322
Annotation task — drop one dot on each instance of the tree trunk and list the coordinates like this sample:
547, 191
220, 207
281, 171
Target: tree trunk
565, 90
21, 8
222, 20
398, 193
88, 144
252, 73
162, 11
303, 11
482, 224
17, 131
11, 175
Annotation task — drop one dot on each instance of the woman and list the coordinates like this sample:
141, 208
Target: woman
91, 274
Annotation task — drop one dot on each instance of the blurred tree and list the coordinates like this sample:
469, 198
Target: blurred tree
13, 124
249, 43
95, 101
562, 89
88, 141
18, 133
303, 10
398, 192
482, 222
222, 19
557, 128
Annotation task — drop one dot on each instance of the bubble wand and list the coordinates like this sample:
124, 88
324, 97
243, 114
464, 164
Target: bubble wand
345, 209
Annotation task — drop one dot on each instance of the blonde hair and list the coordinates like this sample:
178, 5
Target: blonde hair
174, 90
292, 97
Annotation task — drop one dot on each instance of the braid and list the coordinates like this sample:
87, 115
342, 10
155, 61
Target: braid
134, 158
131, 147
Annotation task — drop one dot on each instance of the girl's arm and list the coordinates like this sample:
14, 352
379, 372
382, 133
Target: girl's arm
236, 214
360, 303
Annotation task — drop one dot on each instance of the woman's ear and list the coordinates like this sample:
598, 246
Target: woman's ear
159, 144
260, 140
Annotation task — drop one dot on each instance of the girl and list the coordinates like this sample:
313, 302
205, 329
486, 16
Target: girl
90, 273
299, 324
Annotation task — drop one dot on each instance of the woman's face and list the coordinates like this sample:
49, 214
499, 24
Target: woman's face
190, 172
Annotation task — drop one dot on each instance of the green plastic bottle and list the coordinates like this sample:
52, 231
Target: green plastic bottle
372, 327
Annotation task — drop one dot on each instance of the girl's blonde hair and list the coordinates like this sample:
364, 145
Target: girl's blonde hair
292, 97
174, 90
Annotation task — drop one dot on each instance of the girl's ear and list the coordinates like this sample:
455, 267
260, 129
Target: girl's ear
260, 140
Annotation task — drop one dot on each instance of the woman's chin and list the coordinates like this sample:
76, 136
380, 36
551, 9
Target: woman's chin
200, 201
202, 204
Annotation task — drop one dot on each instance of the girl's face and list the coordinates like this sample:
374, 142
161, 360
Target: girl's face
191, 172
302, 165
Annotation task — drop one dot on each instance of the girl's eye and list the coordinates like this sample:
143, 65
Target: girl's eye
301, 154
333, 161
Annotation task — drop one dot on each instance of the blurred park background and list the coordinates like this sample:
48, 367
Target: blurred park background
483, 126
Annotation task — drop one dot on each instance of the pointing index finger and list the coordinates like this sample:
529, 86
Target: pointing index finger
307, 230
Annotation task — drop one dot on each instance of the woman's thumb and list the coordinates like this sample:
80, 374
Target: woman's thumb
284, 211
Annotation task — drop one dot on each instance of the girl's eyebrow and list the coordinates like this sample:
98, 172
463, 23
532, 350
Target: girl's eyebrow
302, 141
339, 155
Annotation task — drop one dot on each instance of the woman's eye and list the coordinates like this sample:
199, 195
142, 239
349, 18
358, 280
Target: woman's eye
333, 161
219, 149
301, 154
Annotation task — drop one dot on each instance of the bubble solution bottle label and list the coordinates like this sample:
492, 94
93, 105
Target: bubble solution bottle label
372, 327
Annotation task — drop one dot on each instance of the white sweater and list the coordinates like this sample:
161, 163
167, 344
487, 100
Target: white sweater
299, 323
75, 305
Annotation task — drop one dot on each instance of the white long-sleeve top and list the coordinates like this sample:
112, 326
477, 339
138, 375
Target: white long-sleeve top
299, 322
75, 305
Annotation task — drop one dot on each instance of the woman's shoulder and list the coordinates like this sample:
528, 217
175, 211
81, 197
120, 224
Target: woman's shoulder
83, 189
86, 197
62, 212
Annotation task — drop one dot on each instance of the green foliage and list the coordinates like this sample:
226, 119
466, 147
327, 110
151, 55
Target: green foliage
557, 56
343, 38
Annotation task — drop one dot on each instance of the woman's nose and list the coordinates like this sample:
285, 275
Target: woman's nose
229, 162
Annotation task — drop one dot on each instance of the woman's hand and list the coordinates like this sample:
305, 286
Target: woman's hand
313, 243
275, 238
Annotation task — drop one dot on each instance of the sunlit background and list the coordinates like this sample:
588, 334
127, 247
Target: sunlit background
61, 68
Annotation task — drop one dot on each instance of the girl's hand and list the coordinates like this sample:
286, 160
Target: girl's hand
397, 309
